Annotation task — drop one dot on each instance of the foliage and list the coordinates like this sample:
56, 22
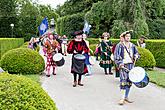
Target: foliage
9, 43
26, 16
157, 47
147, 59
22, 61
75, 6
7, 17
118, 28
18, 92
156, 28
100, 17
157, 78
68, 24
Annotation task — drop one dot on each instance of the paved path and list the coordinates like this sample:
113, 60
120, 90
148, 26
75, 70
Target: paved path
100, 92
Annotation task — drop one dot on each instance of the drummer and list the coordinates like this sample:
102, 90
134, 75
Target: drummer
52, 47
125, 56
78, 46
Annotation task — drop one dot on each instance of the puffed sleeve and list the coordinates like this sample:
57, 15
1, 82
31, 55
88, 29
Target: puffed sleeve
85, 49
70, 48
119, 54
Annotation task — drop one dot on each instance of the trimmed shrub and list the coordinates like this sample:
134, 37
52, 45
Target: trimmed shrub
147, 59
21, 93
22, 61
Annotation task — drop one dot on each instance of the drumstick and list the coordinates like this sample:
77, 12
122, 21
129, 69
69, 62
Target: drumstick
134, 61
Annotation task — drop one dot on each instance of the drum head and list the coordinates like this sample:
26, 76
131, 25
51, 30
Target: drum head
79, 57
57, 57
137, 74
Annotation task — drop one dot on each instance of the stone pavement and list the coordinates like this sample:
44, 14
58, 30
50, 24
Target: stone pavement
100, 92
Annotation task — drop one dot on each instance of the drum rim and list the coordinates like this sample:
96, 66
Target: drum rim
81, 55
55, 56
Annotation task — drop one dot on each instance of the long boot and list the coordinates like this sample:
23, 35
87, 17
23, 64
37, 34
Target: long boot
80, 84
110, 71
79, 81
75, 84
48, 71
105, 70
54, 71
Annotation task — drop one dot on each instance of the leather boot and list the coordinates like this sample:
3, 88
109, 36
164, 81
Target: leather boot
79, 83
75, 84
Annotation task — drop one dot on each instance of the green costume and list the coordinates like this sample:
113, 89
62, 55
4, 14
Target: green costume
105, 61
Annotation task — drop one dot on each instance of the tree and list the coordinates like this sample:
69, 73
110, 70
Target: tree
7, 16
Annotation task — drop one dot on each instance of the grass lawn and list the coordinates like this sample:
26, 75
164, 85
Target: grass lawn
157, 77
34, 77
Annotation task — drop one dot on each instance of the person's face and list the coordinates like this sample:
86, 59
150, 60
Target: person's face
79, 36
127, 37
51, 37
121, 39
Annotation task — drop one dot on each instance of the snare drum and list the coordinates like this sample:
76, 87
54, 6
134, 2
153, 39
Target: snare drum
79, 57
58, 58
139, 77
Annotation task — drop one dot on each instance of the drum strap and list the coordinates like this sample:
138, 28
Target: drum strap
129, 54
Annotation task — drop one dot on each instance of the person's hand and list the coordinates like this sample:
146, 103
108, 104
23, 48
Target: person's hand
83, 52
105, 53
121, 66
75, 52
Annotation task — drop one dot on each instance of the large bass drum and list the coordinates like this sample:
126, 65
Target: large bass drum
58, 58
139, 77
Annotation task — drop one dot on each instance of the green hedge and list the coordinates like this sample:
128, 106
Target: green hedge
157, 47
9, 43
21, 93
22, 61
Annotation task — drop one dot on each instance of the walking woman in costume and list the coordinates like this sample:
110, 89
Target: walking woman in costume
52, 47
105, 47
78, 47
125, 56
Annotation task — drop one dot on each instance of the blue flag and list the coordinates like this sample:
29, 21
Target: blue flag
86, 28
43, 26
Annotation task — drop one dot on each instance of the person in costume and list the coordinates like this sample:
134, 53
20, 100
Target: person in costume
64, 45
78, 47
105, 47
87, 55
52, 47
125, 57
141, 42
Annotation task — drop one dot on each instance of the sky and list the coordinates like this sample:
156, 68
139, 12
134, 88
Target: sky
53, 3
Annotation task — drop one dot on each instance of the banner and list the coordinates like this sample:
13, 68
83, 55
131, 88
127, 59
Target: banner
43, 26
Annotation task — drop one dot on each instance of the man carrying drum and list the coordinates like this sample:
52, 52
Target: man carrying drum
52, 47
125, 57
78, 47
